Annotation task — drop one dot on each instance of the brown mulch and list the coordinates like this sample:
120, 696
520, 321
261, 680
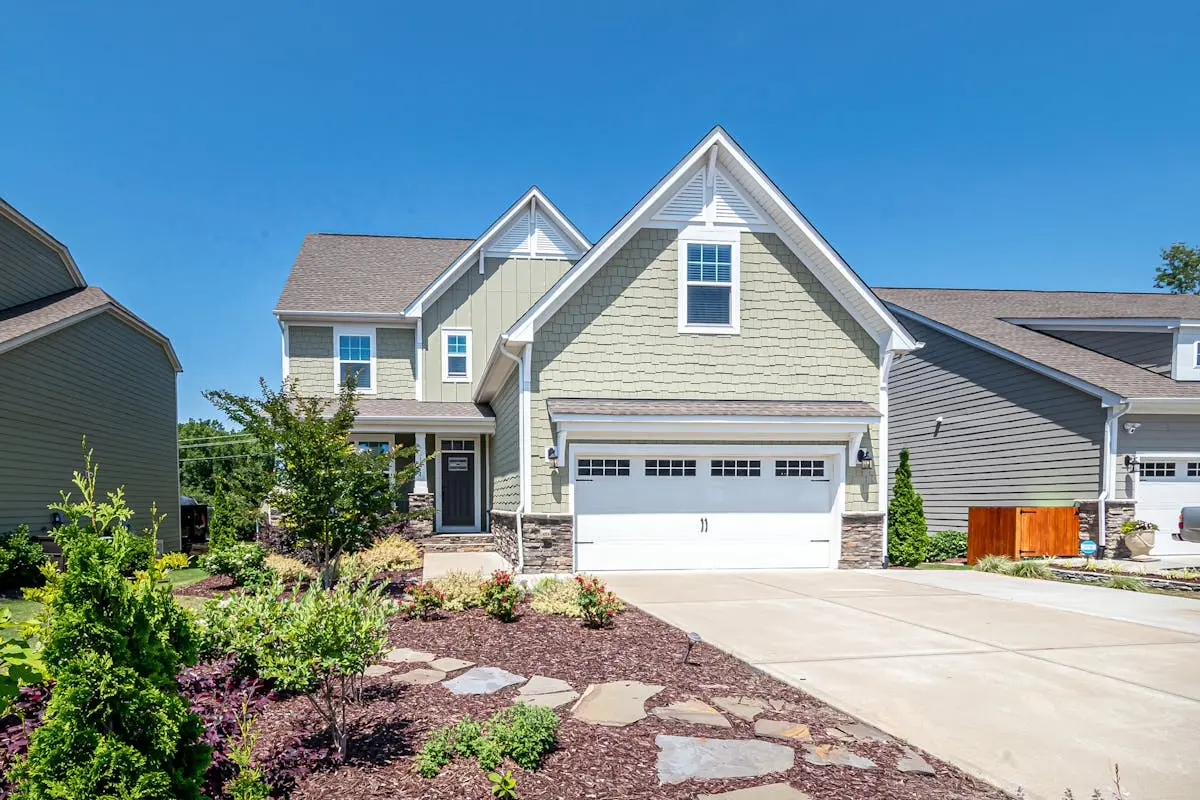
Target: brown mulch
212, 586
590, 761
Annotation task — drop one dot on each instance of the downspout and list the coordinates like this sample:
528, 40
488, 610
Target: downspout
1110, 469
520, 567
284, 346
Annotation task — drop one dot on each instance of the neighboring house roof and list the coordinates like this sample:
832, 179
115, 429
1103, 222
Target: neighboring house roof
343, 273
370, 407
700, 408
982, 315
40, 233
31, 321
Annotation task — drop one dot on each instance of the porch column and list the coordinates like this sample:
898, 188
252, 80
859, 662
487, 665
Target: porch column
421, 481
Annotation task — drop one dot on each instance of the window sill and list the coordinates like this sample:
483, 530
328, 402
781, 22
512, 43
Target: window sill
459, 379
713, 329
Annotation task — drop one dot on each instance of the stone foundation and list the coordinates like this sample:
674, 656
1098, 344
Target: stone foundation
548, 542
421, 527
862, 541
504, 534
1116, 512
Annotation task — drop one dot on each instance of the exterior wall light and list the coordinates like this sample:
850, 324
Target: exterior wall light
864, 458
1131, 427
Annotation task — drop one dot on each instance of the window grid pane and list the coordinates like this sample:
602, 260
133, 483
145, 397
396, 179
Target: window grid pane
354, 348
1193, 469
456, 365
736, 468
709, 263
457, 445
1158, 469
456, 344
800, 468
360, 371
670, 468
607, 467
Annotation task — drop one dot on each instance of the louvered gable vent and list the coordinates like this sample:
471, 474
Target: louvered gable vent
515, 238
546, 238
688, 202
550, 240
729, 205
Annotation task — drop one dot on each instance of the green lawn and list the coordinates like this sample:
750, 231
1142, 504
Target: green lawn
942, 566
22, 610
185, 577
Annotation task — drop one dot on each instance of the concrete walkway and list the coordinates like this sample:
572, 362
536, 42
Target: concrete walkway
438, 564
1025, 683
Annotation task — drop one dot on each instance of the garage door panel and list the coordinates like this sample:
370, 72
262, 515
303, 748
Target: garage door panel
1166, 486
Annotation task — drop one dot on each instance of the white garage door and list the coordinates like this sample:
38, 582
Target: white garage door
670, 511
1165, 486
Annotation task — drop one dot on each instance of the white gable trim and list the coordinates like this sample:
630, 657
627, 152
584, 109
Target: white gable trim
830, 269
534, 203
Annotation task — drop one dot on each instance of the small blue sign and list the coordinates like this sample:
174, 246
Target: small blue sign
1087, 548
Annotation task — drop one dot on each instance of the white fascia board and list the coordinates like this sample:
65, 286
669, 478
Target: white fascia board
344, 317
471, 255
495, 372
1115, 324
1107, 398
640, 216
363, 424
39, 233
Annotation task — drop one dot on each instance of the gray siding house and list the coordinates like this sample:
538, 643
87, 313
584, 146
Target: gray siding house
1051, 398
704, 387
73, 363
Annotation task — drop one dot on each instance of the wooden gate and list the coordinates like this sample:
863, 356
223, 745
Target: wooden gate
1022, 531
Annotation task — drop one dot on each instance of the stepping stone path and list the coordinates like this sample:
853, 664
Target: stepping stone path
746, 708
375, 670
826, 755
402, 655
772, 791
683, 758
697, 712
450, 664
482, 680
859, 732
420, 677
547, 692
614, 704
911, 762
779, 729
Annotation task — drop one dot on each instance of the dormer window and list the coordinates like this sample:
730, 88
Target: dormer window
354, 350
709, 286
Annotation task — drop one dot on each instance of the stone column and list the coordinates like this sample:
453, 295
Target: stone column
862, 540
421, 526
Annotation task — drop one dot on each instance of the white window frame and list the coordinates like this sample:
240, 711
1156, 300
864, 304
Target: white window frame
338, 333
358, 440
1196, 355
446, 376
702, 235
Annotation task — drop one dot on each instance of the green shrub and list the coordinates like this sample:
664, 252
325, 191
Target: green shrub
21, 660
522, 733
244, 562
504, 786
907, 537
115, 725
21, 559
501, 596
135, 552
393, 554
1135, 525
1002, 565
460, 590
242, 624
1127, 583
288, 569
169, 562
248, 784
945, 545
422, 602
556, 596
1030, 568
597, 605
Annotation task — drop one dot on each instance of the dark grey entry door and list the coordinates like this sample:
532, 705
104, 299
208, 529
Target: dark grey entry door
458, 489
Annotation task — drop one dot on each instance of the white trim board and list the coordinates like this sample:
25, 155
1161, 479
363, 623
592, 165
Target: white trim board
355, 330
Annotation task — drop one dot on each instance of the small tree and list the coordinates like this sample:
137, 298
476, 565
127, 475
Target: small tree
116, 725
332, 496
908, 539
1180, 270
222, 528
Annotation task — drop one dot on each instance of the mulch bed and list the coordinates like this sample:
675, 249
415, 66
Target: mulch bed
217, 585
590, 761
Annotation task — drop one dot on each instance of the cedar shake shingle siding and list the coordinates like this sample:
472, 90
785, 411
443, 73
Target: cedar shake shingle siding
618, 337
31, 269
1009, 436
104, 379
310, 358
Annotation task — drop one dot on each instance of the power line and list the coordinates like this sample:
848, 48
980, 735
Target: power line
251, 440
220, 458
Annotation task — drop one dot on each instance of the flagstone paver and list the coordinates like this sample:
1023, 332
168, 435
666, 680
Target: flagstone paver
912, 762
746, 708
482, 680
861, 732
781, 729
615, 704
825, 755
549, 700
375, 670
684, 758
694, 711
403, 655
447, 664
772, 791
420, 677
540, 684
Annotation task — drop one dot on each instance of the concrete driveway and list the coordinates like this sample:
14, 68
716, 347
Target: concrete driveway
1024, 683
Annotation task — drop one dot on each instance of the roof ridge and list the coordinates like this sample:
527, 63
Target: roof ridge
1027, 291
393, 236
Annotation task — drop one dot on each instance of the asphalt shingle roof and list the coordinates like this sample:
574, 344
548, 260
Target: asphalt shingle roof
724, 408
33, 316
384, 407
370, 274
984, 314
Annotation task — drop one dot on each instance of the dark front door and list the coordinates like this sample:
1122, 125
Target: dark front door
458, 489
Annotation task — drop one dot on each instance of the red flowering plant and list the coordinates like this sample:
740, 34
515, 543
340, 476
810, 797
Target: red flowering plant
422, 602
596, 603
501, 596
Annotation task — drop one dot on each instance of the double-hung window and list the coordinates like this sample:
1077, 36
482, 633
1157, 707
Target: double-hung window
708, 291
355, 358
456, 361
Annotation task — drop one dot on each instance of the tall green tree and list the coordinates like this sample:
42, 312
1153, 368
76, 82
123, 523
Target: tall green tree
332, 496
116, 725
908, 536
1180, 269
213, 458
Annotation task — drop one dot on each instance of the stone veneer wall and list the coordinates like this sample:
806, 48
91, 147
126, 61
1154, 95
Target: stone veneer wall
421, 527
862, 541
1115, 512
547, 540
504, 534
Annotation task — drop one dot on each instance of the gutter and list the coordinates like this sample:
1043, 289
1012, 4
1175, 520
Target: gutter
1110, 446
520, 566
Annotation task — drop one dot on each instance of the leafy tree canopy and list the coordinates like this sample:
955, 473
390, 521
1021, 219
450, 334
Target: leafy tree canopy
1180, 270
216, 460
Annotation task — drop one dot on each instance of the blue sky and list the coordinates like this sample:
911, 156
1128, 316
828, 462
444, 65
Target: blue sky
182, 151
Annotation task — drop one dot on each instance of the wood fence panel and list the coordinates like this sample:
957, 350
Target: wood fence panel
1048, 531
991, 532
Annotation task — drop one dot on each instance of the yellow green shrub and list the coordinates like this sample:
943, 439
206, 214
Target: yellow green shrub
461, 590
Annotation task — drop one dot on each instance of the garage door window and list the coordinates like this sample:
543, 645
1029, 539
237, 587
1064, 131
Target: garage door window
799, 468
670, 467
1193, 469
607, 467
1158, 469
742, 468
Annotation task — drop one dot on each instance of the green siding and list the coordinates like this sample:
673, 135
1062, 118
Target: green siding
311, 360
506, 447
98, 378
618, 337
29, 269
487, 304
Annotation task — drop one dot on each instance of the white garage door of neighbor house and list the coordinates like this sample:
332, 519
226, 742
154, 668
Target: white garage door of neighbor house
1166, 485
669, 511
